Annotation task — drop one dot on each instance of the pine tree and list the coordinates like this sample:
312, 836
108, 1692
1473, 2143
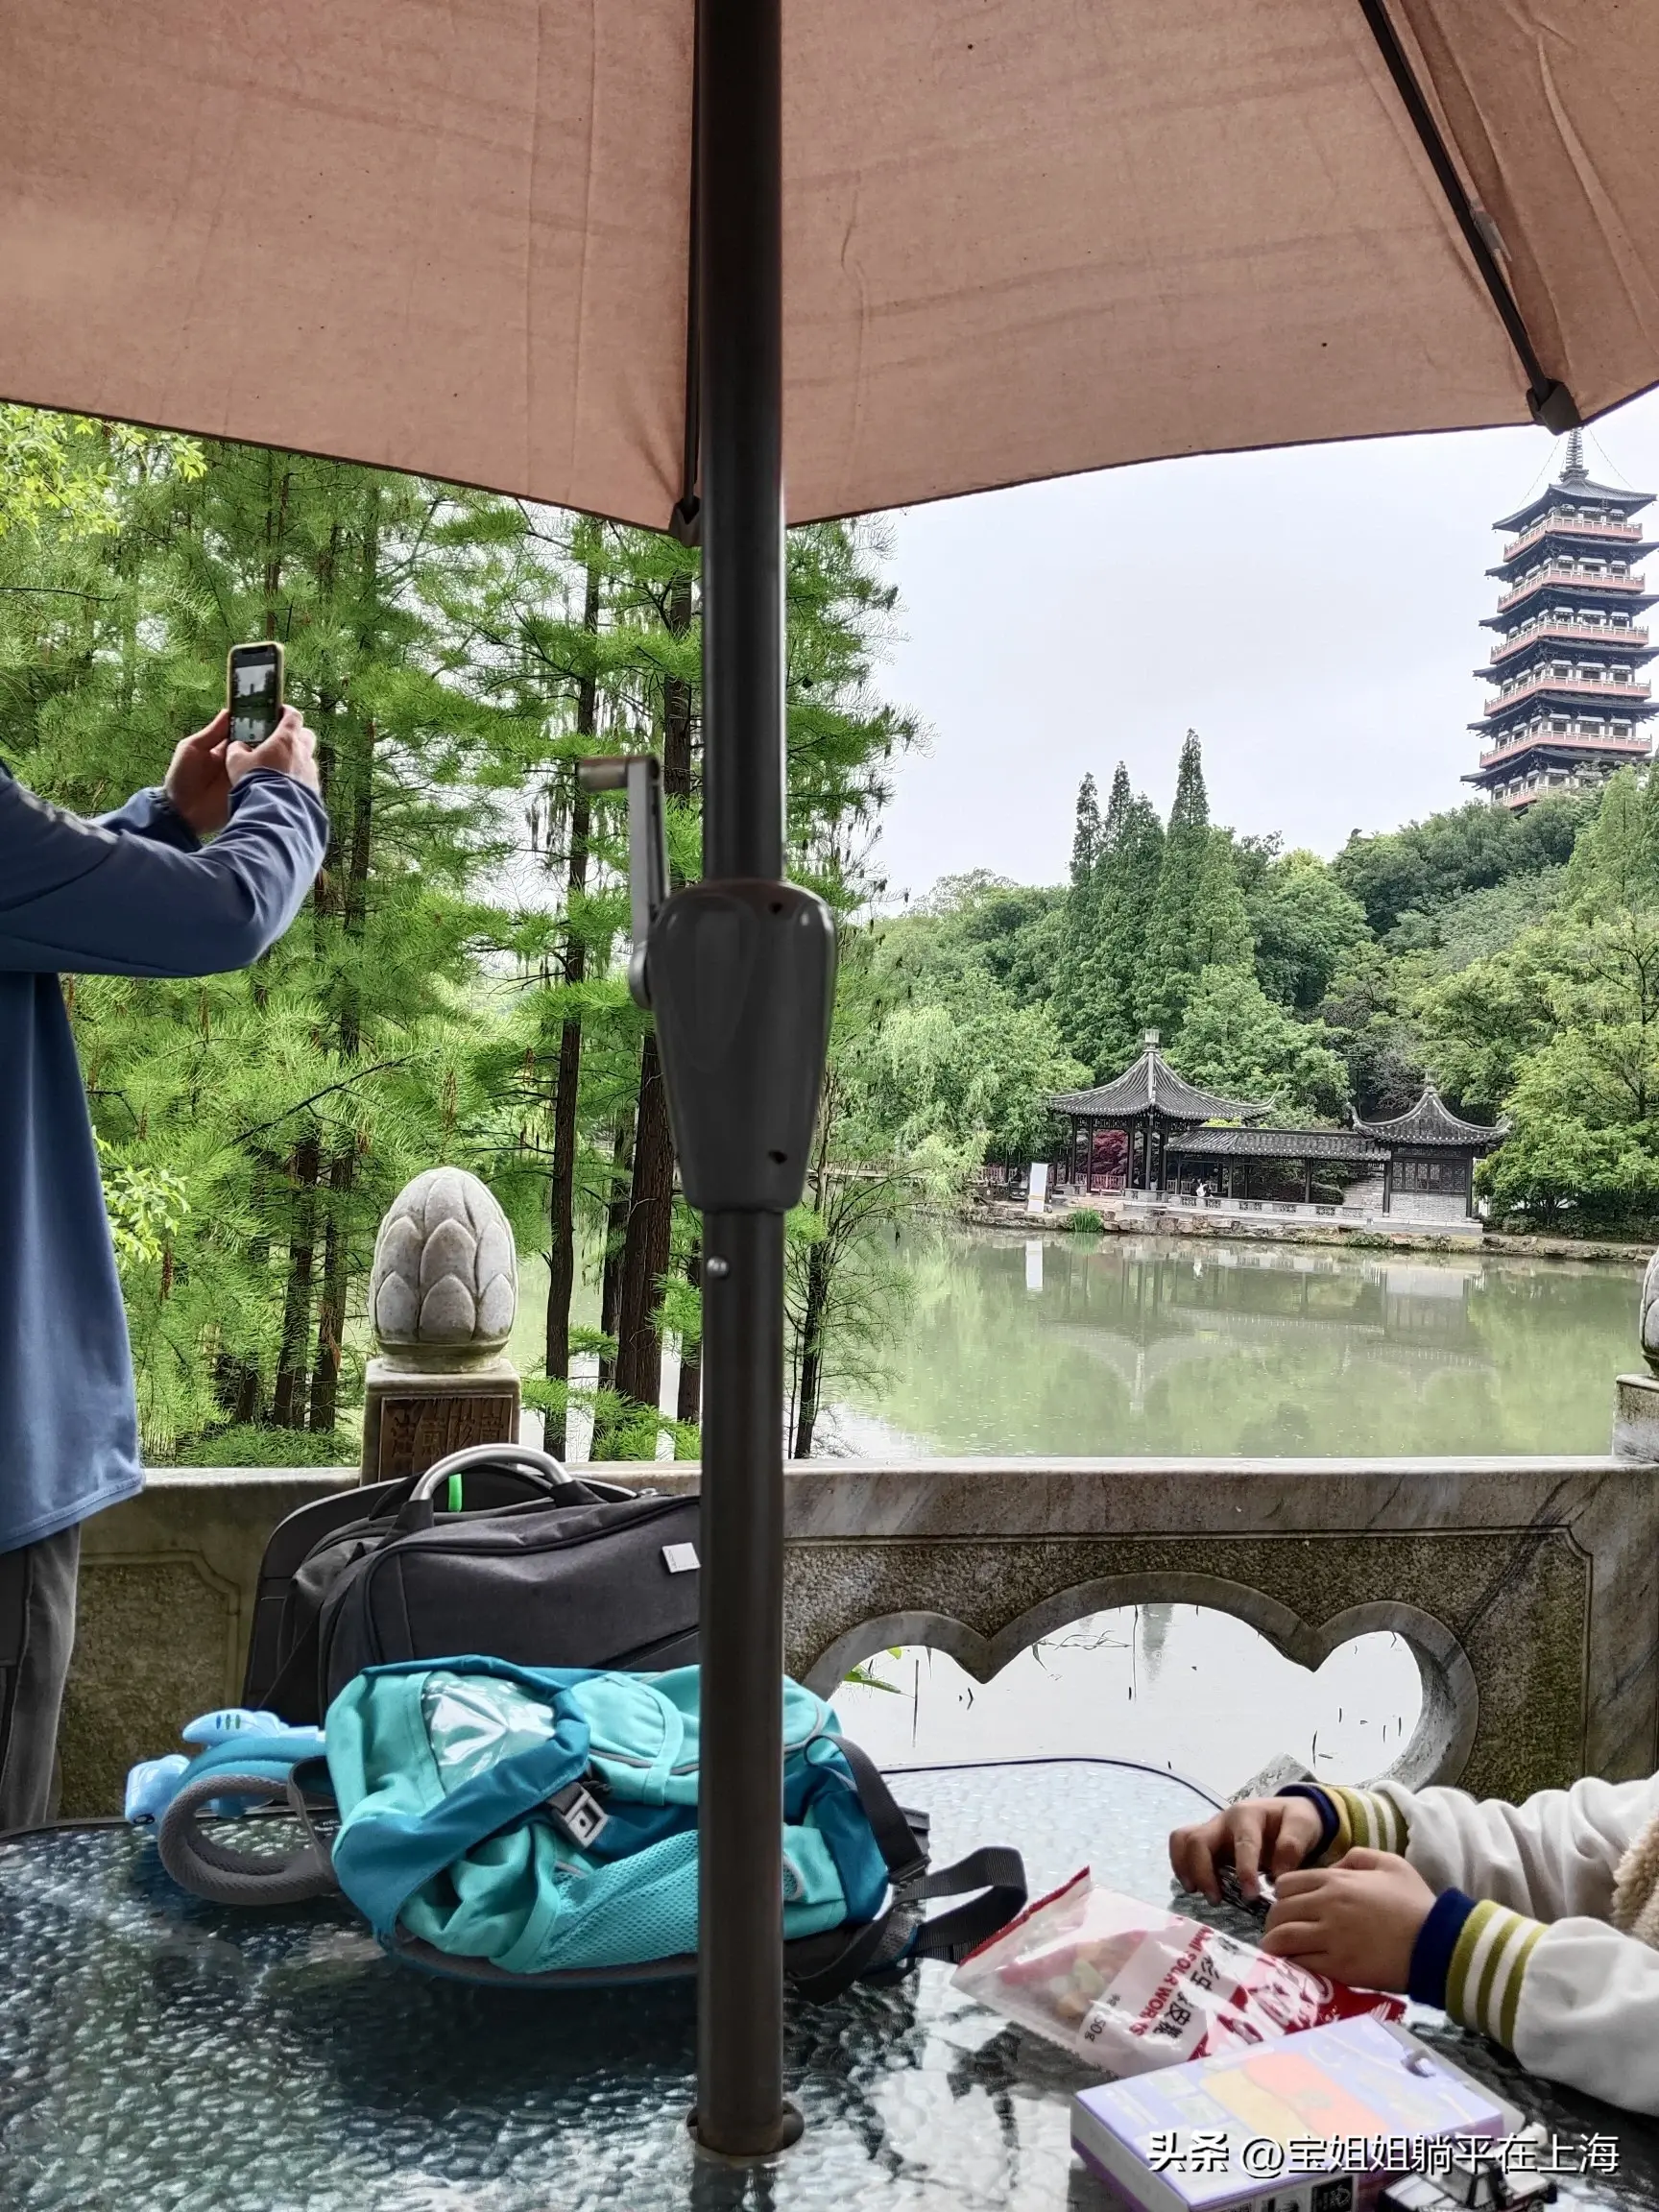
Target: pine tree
1073, 1006
1085, 848
1197, 917
1132, 854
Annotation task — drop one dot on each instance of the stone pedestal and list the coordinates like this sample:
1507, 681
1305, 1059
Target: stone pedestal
1636, 1418
413, 1417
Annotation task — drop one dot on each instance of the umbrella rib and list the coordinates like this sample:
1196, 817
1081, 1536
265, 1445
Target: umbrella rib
1551, 403
682, 523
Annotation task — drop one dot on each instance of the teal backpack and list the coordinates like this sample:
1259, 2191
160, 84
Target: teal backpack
537, 1826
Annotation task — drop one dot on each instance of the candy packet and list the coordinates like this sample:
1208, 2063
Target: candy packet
1128, 1987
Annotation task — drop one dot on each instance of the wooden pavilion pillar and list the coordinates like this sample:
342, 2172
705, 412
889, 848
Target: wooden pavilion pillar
1307, 1181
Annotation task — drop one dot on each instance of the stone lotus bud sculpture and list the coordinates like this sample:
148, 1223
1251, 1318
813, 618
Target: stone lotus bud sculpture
444, 1286
1649, 1325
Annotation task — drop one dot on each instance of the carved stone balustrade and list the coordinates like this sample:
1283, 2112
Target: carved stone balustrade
1527, 1588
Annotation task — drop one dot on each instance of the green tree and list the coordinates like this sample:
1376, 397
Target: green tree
1615, 863
1560, 1030
1129, 874
1369, 1016
1585, 1103
1238, 1041
1303, 923
1468, 849
1197, 917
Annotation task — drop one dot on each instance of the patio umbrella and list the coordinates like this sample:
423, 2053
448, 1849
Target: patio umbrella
941, 245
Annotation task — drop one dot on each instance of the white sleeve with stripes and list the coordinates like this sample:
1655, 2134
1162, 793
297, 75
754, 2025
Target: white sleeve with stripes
1587, 2012
1552, 1857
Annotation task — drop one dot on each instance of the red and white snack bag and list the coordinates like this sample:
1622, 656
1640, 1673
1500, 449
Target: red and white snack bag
1128, 1987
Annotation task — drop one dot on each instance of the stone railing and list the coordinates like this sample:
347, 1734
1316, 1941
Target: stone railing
1527, 1587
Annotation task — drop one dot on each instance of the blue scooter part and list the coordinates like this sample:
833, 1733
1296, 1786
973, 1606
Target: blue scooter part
233, 1737
231, 1721
151, 1786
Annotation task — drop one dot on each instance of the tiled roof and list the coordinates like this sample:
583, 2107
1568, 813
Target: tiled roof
1431, 1122
1277, 1144
1152, 1085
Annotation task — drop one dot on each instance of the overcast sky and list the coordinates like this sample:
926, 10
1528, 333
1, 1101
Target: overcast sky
1312, 613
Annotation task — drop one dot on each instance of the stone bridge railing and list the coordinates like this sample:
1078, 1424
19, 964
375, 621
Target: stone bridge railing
1527, 1588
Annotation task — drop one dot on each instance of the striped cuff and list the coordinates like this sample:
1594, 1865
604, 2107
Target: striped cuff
1484, 1981
1436, 1944
1321, 1803
1363, 1817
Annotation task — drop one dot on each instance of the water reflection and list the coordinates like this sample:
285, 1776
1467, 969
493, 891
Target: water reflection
1060, 1344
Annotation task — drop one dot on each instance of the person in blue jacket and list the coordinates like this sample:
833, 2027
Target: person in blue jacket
136, 893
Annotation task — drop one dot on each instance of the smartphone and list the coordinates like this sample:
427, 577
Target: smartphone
255, 692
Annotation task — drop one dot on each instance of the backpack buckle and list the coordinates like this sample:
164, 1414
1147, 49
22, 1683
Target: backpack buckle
579, 1814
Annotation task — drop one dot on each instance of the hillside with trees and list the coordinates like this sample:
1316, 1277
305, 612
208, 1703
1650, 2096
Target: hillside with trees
1512, 958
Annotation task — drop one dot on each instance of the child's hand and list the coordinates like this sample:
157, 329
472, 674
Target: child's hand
1277, 1832
1354, 1922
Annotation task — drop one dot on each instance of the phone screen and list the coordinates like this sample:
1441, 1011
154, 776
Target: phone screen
255, 694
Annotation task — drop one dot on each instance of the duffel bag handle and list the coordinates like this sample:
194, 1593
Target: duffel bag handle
539, 1468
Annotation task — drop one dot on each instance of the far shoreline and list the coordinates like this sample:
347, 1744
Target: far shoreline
1170, 1221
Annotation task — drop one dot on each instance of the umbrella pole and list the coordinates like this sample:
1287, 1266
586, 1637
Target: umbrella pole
742, 2111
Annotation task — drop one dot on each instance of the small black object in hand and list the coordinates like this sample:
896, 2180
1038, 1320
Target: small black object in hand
1232, 1893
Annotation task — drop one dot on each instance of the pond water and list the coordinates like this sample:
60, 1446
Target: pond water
1111, 1344
1059, 1344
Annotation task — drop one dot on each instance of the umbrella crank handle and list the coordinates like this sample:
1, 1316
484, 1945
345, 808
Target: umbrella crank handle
640, 776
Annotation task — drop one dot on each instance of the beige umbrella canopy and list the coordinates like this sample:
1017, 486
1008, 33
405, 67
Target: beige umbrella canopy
1021, 237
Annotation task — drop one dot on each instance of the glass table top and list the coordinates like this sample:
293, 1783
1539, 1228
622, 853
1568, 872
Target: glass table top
159, 2053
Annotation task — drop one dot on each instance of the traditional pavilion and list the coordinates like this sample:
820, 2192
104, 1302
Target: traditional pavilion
1163, 1141
1432, 1156
1569, 705
1144, 1106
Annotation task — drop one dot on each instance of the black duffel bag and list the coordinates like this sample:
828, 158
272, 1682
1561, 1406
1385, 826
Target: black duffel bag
534, 1567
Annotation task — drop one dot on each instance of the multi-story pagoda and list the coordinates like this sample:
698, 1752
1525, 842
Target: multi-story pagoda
1570, 703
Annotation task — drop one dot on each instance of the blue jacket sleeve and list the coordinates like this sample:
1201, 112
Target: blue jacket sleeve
151, 813
83, 897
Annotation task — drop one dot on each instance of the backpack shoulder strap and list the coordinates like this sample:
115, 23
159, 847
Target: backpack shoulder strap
993, 1879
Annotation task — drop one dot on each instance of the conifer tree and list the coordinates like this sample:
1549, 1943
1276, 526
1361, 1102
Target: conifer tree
1085, 848
1072, 998
1132, 853
1197, 917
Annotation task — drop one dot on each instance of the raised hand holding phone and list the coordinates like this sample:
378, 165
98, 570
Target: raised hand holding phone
290, 750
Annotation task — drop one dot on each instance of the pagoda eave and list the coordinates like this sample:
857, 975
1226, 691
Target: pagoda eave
1564, 752
1638, 660
1626, 648
1627, 602
1609, 495
1582, 549
1557, 699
